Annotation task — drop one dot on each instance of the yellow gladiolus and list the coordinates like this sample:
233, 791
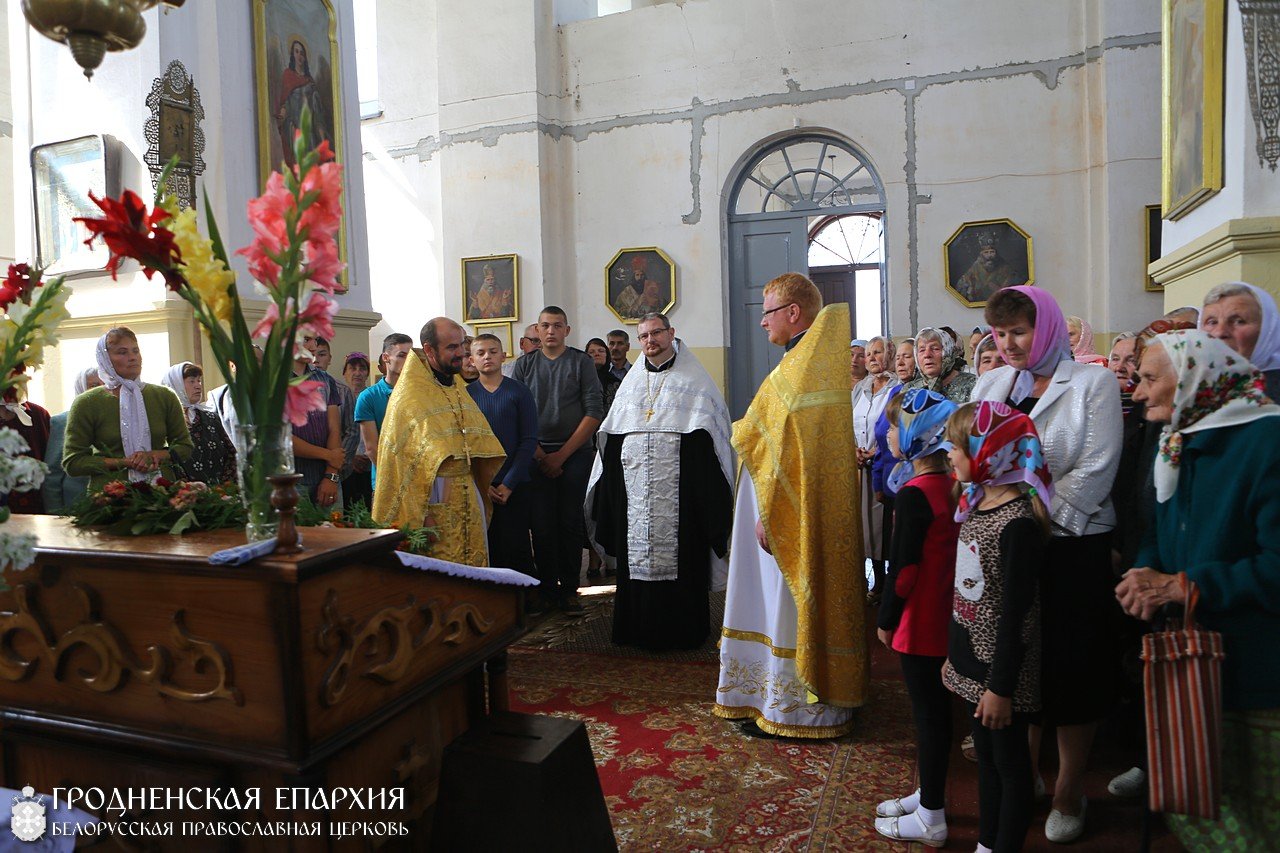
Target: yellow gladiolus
207, 275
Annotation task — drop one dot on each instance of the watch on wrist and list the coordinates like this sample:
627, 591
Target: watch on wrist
333, 477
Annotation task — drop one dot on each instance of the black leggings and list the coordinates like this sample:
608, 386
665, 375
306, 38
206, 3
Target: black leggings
1006, 793
931, 708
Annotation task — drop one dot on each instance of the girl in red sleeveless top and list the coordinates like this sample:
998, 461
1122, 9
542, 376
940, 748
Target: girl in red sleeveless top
915, 610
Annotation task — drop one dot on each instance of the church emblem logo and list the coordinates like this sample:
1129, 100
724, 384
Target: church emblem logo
28, 821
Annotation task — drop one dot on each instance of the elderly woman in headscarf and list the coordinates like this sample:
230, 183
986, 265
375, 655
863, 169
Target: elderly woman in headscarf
976, 337
1245, 318
1217, 528
127, 429
1080, 333
59, 490
869, 399
213, 460
1076, 410
939, 361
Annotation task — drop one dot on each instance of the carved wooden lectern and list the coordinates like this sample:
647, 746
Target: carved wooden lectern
131, 662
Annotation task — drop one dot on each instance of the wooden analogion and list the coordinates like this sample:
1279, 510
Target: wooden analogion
129, 663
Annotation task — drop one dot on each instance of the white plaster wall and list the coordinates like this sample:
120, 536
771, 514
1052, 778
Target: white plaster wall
1069, 151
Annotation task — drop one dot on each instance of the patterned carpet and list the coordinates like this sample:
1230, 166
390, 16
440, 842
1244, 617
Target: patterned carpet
675, 777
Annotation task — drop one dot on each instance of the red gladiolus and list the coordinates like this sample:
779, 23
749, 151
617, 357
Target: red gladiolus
131, 231
17, 286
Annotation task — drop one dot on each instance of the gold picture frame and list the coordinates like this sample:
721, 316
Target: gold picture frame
1192, 70
279, 28
491, 288
653, 270
971, 274
502, 330
1151, 221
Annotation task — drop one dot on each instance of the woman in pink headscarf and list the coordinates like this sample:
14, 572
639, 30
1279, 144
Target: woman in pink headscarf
1080, 334
1076, 410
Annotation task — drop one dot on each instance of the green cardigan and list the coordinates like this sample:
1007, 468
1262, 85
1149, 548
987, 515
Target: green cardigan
93, 432
1222, 527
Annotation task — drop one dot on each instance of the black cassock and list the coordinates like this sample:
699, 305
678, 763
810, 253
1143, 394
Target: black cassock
672, 614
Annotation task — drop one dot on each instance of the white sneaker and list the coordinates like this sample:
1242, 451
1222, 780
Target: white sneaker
900, 806
914, 830
1062, 828
1129, 783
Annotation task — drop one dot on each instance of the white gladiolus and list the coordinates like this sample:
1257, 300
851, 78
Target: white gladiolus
11, 443
17, 550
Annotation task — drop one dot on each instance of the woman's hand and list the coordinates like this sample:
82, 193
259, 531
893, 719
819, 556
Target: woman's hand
761, 538
1143, 591
886, 637
994, 711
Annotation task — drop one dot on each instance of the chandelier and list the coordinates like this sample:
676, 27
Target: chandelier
91, 27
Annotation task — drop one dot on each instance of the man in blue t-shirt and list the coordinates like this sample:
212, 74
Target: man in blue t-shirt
512, 413
371, 405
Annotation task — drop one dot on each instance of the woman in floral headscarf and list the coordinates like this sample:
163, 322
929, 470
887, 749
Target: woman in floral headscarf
1217, 484
1076, 410
940, 361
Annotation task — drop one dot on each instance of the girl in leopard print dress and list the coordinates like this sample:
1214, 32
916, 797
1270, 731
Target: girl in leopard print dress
993, 656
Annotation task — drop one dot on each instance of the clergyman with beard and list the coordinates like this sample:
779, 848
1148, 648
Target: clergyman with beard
988, 273
436, 452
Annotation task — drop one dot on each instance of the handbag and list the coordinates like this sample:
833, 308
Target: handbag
1182, 681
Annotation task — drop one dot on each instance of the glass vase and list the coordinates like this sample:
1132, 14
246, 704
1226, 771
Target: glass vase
261, 451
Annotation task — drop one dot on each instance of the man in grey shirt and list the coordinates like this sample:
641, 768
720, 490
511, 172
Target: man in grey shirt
566, 386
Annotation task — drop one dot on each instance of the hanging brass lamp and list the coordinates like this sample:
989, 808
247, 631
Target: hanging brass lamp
91, 27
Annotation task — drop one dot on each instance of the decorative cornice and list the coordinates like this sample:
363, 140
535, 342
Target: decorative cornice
1232, 238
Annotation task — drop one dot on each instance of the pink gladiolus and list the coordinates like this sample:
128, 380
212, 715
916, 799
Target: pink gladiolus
323, 264
303, 399
262, 331
317, 318
324, 215
267, 218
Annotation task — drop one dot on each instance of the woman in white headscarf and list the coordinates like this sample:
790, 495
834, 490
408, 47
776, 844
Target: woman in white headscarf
126, 429
213, 460
59, 490
1217, 479
1245, 318
869, 399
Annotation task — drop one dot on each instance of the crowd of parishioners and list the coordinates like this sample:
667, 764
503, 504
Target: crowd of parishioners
1161, 462
119, 427
1155, 468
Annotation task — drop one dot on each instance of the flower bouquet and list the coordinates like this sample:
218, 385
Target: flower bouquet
33, 308
293, 257
141, 508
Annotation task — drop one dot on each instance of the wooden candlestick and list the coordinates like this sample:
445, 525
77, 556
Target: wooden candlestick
284, 497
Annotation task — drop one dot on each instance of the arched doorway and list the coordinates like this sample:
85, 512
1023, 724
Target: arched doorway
790, 190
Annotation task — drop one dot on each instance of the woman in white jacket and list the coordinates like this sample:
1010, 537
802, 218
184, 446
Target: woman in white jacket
1076, 409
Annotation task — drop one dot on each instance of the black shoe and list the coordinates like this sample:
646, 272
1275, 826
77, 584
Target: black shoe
535, 605
593, 573
750, 729
572, 606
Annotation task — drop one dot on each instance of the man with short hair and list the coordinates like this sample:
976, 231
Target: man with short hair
317, 444
438, 454
796, 577
619, 345
509, 408
660, 495
371, 405
570, 401
324, 355
527, 344
469, 372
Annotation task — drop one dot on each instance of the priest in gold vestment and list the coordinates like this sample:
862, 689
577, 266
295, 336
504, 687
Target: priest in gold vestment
793, 650
436, 452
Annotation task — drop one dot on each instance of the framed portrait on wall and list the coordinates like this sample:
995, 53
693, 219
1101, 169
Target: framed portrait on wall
981, 257
1192, 73
491, 288
1152, 243
501, 330
63, 174
638, 282
296, 66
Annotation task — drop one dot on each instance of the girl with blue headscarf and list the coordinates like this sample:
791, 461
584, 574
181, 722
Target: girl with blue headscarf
915, 609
